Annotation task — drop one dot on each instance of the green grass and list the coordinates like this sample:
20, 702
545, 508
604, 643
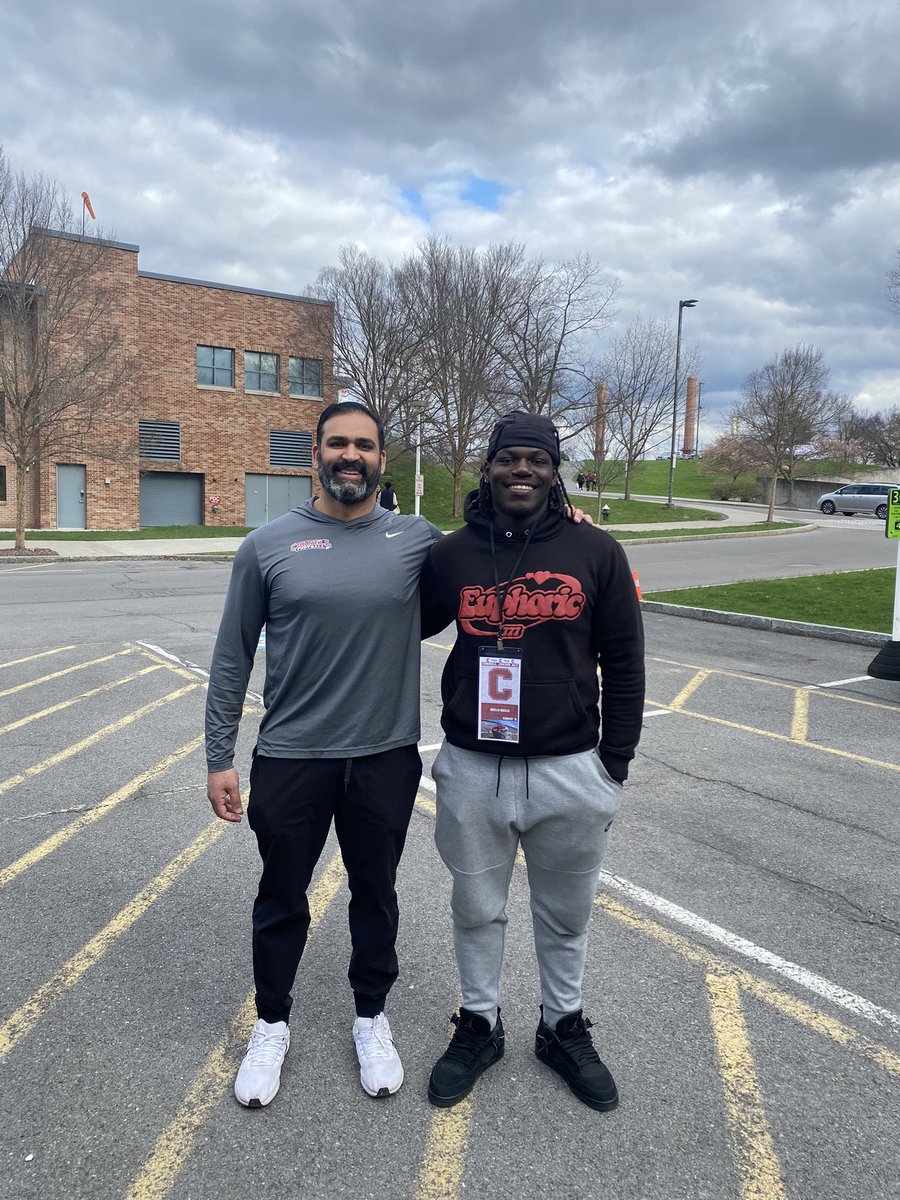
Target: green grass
437, 500
849, 599
652, 479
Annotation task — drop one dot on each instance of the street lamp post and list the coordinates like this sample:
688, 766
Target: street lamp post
682, 305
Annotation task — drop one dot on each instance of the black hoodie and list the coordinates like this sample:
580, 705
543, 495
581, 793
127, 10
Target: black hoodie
571, 605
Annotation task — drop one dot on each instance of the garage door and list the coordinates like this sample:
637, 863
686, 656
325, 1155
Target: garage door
170, 498
270, 496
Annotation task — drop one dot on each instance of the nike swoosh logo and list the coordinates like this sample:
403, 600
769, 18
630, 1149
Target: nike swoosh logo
397, 534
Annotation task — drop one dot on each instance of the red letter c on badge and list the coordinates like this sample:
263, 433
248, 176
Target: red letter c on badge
495, 675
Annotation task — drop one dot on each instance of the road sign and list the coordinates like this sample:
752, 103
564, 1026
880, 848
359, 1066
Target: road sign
892, 525
420, 491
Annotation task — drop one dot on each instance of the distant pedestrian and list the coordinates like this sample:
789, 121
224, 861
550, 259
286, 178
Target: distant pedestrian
579, 479
388, 498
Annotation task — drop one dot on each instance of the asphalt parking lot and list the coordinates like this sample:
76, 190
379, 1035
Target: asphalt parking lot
743, 974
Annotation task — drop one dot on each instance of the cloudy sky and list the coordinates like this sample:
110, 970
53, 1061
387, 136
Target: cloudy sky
747, 155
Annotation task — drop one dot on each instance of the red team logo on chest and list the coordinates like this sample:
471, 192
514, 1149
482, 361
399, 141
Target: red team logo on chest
531, 599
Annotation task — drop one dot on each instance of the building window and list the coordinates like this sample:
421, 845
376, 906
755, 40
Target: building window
288, 448
160, 440
260, 372
305, 376
215, 366
2, 483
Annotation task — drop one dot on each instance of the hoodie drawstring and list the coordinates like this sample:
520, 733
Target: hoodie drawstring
500, 758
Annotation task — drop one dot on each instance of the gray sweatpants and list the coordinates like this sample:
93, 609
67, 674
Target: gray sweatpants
559, 809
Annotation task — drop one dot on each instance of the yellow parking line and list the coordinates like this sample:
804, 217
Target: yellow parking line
92, 740
22, 687
774, 683
671, 662
688, 690
783, 1002
14, 662
445, 1152
94, 814
55, 708
157, 1176
800, 719
26, 1017
779, 737
753, 1146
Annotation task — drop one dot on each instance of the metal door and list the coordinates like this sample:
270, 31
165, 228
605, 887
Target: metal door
71, 510
270, 496
170, 498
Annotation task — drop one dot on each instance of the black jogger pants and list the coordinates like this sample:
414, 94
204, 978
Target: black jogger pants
291, 806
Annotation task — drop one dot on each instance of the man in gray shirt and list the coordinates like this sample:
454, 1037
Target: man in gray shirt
335, 583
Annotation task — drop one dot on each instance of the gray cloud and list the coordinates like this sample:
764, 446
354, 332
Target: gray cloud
748, 156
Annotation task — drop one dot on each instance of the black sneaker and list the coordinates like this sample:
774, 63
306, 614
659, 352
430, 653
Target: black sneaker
570, 1052
473, 1048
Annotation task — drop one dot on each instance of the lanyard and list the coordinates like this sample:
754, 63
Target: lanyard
501, 596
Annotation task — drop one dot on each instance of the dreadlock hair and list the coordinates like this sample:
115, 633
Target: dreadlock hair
558, 501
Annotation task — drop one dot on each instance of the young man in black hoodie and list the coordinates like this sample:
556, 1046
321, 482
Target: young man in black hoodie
534, 755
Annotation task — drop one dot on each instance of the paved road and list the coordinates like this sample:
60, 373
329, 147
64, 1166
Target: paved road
742, 978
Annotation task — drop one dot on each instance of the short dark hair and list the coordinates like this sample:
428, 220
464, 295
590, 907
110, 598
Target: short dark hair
348, 406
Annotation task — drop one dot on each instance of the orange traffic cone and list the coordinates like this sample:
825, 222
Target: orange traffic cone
637, 584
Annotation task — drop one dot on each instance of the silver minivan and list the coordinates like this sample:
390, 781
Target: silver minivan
858, 498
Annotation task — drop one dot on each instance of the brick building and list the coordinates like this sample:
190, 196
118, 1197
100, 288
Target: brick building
220, 418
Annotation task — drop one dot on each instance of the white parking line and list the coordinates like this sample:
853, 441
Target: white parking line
797, 974
841, 682
739, 945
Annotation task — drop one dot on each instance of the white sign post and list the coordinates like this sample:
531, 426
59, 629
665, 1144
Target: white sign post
886, 663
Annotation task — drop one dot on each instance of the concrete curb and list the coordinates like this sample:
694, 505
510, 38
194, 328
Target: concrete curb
696, 537
831, 633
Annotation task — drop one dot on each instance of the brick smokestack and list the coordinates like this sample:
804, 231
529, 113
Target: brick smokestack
689, 445
600, 430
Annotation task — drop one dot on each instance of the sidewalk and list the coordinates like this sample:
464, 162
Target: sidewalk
137, 548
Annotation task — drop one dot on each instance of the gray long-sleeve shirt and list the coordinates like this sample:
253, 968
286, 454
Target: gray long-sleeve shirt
340, 604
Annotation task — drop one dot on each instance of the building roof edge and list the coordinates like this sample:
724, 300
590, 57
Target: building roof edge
231, 287
86, 237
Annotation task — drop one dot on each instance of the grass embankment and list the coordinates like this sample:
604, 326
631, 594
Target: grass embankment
651, 478
849, 599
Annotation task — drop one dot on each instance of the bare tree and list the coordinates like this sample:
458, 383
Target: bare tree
550, 312
638, 370
879, 436
783, 408
375, 342
63, 368
456, 298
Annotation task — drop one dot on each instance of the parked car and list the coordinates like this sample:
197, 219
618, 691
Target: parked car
858, 498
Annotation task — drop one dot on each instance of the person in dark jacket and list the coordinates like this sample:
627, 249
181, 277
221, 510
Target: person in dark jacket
535, 754
387, 497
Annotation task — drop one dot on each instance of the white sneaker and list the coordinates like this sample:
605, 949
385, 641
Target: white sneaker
380, 1069
259, 1075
